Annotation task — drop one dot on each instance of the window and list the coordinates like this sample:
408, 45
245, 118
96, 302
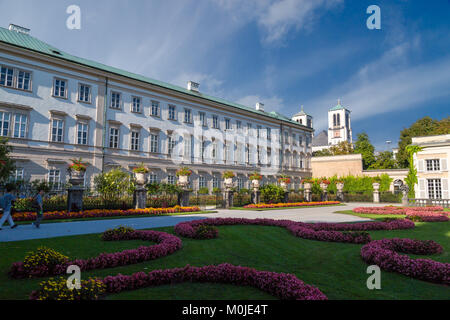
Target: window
155, 109
6, 76
240, 183
258, 132
433, 165
247, 153
201, 182
215, 122
135, 140
269, 156
172, 114
203, 149
136, 105
60, 88
187, 147
171, 179
54, 177
249, 128
153, 178
269, 134
434, 189
286, 137
23, 80
5, 120
308, 122
239, 152
238, 125
214, 150
294, 139
187, 116
227, 149
153, 143
227, 124
216, 182
300, 140
57, 130
17, 175
202, 117
114, 138
82, 133
84, 93
170, 145
115, 100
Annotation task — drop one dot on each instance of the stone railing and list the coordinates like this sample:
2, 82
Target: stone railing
429, 202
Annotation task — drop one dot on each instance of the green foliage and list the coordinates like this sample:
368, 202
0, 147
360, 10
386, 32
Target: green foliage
422, 127
384, 160
6, 163
354, 184
153, 188
411, 178
216, 190
271, 193
366, 149
203, 190
113, 184
342, 148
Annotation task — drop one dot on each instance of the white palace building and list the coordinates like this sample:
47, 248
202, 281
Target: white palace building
55, 107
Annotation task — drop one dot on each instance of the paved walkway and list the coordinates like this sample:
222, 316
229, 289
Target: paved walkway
53, 230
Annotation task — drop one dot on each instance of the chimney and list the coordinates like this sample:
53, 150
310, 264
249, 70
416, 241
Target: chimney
18, 29
260, 106
193, 86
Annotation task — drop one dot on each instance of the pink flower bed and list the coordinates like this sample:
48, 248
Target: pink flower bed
320, 231
167, 244
427, 216
396, 210
384, 253
289, 205
282, 285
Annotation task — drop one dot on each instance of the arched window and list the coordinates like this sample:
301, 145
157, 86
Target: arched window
338, 119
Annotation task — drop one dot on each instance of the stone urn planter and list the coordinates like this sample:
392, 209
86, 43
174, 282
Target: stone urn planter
307, 186
141, 178
340, 186
324, 186
255, 184
228, 182
77, 177
183, 181
376, 192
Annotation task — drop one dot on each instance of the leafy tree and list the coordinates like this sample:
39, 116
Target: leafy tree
366, 149
342, 148
113, 184
322, 153
411, 178
422, 127
6, 163
271, 193
384, 160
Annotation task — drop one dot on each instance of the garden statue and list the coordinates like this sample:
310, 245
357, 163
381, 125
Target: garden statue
77, 171
376, 192
183, 181
307, 185
340, 191
229, 192
140, 193
256, 194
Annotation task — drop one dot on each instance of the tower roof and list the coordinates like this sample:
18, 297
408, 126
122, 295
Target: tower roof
301, 113
338, 106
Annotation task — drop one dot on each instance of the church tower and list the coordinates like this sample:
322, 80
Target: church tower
339, 125
303, 118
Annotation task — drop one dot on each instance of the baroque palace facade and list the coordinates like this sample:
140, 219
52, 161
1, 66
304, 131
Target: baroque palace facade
55, 107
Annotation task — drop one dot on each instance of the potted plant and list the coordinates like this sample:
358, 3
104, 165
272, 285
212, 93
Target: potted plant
284, 181
140, 173
255, 177
307, 183
183, 176
324, 183
77, 168
228, 178
339, 185
376, 183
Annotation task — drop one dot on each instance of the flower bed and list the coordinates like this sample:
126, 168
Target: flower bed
295, 204
320, 231
384, 253
282, 285
391, 210
56, 289
427, 216
103, 213
167, 244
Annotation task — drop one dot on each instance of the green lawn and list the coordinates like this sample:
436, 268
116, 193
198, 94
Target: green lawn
335, 268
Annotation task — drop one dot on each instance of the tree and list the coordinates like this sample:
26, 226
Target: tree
342, 148
6, 163
113, 184
411, 178
322, 153
366, 149
384, 160
422, 127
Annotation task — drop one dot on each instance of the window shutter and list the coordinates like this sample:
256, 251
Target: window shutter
420, 165
445, 194
422, 190
444, 164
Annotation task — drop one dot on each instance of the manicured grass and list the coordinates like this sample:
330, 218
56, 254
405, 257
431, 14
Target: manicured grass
117, 217
371, 216
335, 268
282, 208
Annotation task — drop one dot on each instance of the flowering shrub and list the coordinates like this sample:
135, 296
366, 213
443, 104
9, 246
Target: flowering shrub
296, 204
313, 231
205, 232
119, 233
78, 165
56, 289
427, 216
167, 244
284, 179
43, 257
384, 253
282, 285
184, 171
255, 176
228, 175
102, 213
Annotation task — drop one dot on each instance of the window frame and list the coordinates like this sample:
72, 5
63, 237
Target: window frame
66, 88
63, 121
119, 102
153, 104
115, 127
79, 98
132, 104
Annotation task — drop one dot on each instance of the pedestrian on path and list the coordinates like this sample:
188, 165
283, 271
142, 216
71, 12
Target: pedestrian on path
7, 201
38, 206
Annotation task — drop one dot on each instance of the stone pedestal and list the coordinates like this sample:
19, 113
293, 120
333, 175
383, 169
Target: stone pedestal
183, 198
340, 192
140, 198
256, 197
286, 197
376, 192
229, 199
307, 192
405, 191
75, 199
324, 196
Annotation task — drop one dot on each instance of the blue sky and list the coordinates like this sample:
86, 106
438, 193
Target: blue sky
284, 53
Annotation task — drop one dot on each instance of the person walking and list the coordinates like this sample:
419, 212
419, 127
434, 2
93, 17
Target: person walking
7, 202
38, 206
